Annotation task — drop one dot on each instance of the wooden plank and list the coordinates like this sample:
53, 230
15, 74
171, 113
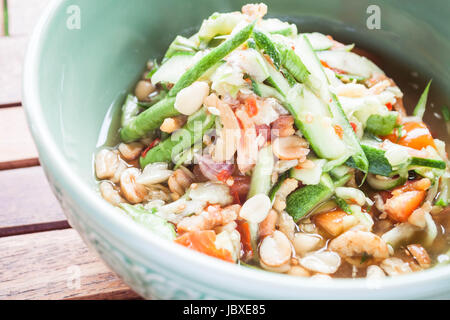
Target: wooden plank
27, 203
12, 54
45, 265
24, 14
17, 148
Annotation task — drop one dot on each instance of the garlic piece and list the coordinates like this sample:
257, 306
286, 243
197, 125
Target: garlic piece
256, 208
190, 99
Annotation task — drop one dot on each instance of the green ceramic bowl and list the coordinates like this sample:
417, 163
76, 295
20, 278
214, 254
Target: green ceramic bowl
76, 78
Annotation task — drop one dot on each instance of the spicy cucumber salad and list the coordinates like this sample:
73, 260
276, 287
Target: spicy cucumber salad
260, 145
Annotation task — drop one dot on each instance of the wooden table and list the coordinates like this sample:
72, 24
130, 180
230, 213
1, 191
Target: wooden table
41, 257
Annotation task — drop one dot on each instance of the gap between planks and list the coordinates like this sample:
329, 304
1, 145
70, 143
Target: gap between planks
33, 228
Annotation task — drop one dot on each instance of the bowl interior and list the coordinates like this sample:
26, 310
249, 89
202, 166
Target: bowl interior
85, 73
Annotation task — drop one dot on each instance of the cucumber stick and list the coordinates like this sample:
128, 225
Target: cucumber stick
339, 172
152, 118
302, 103
444, 191
350, 63
180, 45
318, 41
218, 24
319, 83
385, 183
260, 183
266, 91
262, 173
303, 200
316, 123
263, 42
312, 116
172, 69
292, 63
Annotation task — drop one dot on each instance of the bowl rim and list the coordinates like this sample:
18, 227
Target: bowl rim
108, 214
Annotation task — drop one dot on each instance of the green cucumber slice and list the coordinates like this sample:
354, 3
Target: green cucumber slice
264, 43
276, 26
429, 163
379, 164
301, 103
172, 70
152, 118
350, 63
315, 122
292, 63
277, 80
319, 82
262, 173
349, 77
303, 200
385, 183
180, 44
339, 172
219, 24
266, 91
287, 32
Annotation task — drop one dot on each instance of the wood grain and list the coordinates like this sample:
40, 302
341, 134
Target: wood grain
45, 265
27, 203
17, 147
